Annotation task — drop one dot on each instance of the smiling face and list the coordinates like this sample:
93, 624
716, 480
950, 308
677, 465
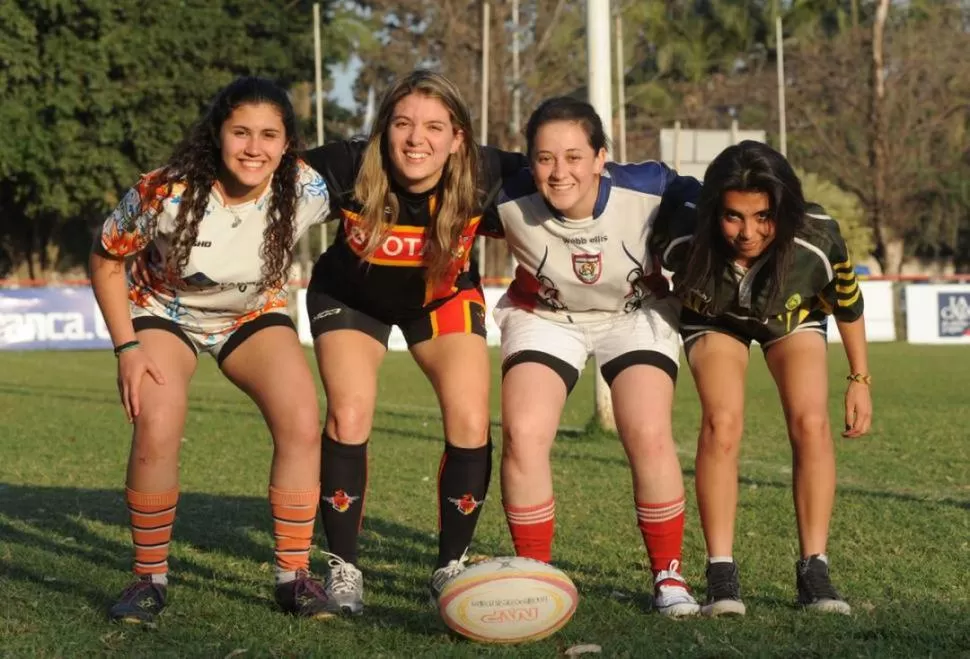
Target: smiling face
420, 137
252, 140
566, 168
747, 224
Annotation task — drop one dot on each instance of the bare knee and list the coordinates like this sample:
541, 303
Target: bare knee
298, 429
650, 442
721, 433
525, 440
350, 423
156, 438
808, 430
468, 428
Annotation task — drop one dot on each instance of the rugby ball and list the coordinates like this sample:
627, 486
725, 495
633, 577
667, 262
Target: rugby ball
508, 599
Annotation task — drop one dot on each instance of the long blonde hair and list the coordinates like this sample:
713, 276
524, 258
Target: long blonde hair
459, 180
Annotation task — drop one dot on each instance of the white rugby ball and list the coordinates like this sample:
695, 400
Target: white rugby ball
508, 599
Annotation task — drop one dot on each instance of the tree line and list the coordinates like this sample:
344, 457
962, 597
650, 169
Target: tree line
877, 96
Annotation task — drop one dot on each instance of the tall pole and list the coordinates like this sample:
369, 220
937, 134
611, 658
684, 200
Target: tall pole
779, 41
620, 86
483, 132
600, 97
516, 82
318, 82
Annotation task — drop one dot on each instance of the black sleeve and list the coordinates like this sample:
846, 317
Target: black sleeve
675, 222
496, 166
338, 163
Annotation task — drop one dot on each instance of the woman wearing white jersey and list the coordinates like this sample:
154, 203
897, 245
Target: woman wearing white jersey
210, 236
578, 227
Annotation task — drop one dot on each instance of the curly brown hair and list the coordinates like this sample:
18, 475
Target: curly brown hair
196, 162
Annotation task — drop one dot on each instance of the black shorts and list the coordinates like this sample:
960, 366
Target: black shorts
222, 349
462, 314
694, 325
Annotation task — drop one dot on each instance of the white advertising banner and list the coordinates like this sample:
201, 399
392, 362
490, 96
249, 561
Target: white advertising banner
938, 313
880, 313
396, 340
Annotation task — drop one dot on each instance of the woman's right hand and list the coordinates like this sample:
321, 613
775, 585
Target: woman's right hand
133, 365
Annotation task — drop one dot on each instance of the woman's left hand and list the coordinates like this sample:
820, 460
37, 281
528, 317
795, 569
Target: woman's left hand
858, 410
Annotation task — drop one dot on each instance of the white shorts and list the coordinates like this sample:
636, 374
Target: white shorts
648, 336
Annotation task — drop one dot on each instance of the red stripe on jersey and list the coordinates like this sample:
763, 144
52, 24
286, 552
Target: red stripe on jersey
524, 289
459, 262
403, 246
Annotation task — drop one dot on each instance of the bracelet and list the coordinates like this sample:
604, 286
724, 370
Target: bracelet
125, 347
859, 377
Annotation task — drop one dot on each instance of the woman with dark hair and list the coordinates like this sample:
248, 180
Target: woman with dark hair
410, 200
210, 236
578, 227
758, 263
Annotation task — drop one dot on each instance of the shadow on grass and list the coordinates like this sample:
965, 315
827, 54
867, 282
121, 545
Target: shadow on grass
212, 535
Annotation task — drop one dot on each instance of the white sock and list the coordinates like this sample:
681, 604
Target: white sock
720, 559
160, 579
283, 576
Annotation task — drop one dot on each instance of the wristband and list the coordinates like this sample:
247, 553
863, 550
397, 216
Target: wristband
125, 347
859, 377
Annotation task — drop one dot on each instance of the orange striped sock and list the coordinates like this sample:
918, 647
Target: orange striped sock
294, 512
152, 517
662, 527
532, 529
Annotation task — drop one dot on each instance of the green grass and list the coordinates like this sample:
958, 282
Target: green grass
899, 541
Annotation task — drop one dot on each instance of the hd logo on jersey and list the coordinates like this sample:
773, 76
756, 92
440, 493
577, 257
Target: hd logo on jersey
588, 267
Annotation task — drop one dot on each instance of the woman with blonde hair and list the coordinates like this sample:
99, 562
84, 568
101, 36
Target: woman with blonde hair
410, 200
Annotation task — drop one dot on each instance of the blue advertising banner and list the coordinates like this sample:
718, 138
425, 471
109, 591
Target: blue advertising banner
63, 318
954, 314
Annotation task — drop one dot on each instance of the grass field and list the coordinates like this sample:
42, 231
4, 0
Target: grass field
900, 544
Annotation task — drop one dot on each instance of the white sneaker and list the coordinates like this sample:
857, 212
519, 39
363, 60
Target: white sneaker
670, 594
344, 586
441, 576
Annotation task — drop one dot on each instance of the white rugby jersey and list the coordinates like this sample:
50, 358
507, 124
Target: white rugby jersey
218, 290
570, 270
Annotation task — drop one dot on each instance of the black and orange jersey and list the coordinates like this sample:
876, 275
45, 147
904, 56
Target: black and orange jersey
390, 284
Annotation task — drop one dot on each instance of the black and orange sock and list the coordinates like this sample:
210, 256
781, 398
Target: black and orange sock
343, 488
152, 517
294, 512
463, 478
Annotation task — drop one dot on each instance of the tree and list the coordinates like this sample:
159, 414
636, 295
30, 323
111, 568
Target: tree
99, 91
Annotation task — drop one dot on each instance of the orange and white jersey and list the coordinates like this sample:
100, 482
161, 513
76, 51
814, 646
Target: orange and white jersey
219, 288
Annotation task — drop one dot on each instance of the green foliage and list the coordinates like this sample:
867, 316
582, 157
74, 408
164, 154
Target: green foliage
99, 91
847, 210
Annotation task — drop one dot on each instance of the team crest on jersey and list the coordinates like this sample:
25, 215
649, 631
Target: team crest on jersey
793, 302
588, 267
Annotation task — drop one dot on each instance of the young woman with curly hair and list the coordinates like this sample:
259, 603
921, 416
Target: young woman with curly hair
410, 201
209, 237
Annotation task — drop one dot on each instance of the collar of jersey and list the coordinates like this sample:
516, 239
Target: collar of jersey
214, 192
602, 196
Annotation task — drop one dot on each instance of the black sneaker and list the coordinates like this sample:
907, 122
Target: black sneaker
723, 591
304, 597
139, 603
815, 590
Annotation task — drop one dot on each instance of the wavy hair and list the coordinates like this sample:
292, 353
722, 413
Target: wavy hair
748, 166
458, 187
197, 161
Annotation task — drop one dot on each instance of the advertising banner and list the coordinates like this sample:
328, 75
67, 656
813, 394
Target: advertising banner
54, 318
938, 313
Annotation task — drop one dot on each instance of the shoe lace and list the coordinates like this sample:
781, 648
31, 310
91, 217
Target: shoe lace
670, 577
344, 576
446, 573
721, 582
136, 588
816, 582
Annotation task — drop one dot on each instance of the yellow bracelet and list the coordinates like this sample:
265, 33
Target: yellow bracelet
859, 377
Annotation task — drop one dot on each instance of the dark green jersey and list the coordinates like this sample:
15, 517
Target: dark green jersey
821, 279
